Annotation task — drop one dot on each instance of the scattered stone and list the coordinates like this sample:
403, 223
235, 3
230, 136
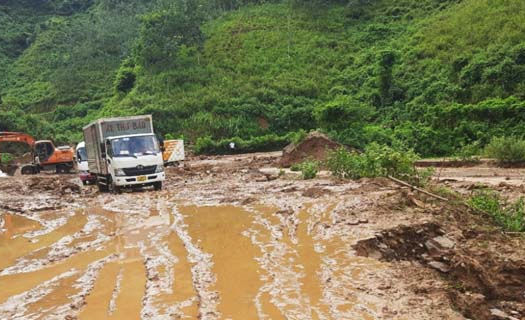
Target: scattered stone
439, 266
499, 314
444, 242
416, 202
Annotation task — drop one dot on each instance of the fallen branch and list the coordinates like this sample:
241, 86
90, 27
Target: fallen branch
403, 183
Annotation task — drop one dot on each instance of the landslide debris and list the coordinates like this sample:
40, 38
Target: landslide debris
314, 146
484, 283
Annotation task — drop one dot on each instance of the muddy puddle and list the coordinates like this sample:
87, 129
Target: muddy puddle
275, 249
165, 261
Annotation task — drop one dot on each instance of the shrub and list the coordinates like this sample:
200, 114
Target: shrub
377, 161
344, 164
470, 152
309, 169
6, 158
295, 167
204, 145
125, 80
510, 216
506, 149
299, 136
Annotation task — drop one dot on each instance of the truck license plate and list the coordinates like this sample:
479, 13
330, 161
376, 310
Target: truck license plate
142, 178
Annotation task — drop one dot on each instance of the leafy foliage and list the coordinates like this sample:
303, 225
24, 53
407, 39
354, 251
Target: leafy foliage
510, 216
395, 72
308, 168
506, 149
376, 161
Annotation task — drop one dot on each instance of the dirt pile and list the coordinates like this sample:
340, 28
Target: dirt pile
53, 184
314, 146
484, 284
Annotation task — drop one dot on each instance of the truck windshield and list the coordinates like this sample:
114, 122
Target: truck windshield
135, 146
82, 154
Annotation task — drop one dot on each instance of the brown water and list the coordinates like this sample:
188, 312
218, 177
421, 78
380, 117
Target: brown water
219, 230
250, 265
13, 246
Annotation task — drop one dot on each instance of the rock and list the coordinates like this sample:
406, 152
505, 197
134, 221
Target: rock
438, 244
271, 177
498, 314
363, 220
440, 266
444, 242
353, 222
416, 202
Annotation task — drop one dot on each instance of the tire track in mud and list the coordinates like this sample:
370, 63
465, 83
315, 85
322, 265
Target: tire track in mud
342, 271
153, 255
222, 231
12, 249
292, 287
311, 271
202, 276
62, 294
169, 290
65, 247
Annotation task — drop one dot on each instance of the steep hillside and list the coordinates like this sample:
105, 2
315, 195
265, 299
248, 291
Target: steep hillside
435, 75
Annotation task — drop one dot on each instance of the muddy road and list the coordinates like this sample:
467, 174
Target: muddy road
231, 238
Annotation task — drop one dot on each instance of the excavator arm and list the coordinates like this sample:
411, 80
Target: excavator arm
17, 137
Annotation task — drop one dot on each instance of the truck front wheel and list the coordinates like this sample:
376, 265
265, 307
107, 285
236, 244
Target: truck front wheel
157, 186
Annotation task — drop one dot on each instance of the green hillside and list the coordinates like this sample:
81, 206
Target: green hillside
435, 75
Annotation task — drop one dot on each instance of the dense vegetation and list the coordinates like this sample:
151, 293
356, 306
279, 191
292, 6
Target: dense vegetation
434, 75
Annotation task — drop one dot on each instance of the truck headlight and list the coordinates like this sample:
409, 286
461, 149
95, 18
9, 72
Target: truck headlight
119, 173
160, 168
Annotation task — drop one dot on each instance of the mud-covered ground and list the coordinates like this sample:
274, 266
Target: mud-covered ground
235, 238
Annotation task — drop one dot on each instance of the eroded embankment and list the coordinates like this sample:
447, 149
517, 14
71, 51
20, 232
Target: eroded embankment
484, 285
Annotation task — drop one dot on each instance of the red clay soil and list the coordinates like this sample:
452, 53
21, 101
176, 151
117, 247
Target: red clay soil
315, 146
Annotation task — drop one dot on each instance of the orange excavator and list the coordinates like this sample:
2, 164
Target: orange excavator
44, 154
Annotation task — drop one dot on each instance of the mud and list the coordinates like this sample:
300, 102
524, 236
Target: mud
314, 146
231, 238
484, 280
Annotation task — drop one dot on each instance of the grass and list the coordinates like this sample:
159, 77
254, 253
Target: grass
510, 216
308, 168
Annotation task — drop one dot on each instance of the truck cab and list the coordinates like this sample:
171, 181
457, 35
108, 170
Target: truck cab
82, 164
135, 160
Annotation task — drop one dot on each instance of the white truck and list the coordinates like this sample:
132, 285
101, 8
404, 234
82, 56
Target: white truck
124, 153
